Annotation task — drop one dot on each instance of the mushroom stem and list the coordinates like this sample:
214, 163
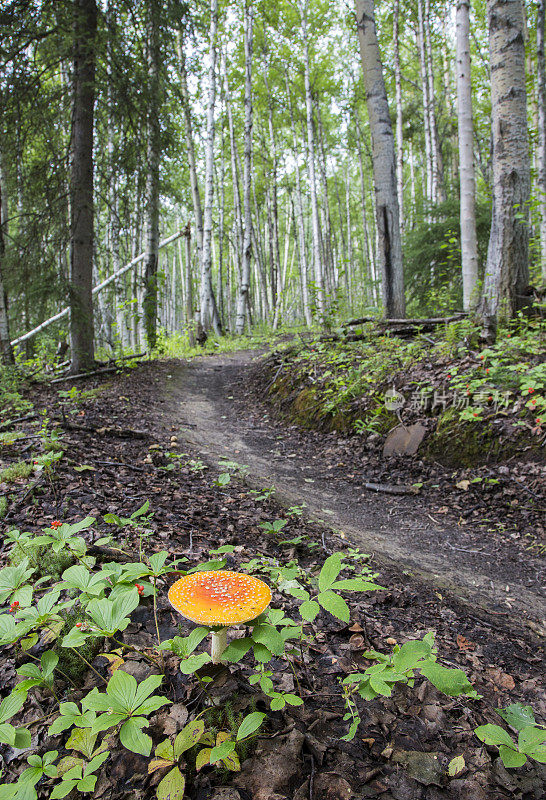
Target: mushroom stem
219, 644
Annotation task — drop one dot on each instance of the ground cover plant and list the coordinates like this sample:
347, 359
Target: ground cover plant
148, 712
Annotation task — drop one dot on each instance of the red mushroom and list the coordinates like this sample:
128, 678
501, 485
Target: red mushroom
218, 599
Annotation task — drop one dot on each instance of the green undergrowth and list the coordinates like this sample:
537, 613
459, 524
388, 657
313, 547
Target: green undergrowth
480, 403
56, 626
177, 345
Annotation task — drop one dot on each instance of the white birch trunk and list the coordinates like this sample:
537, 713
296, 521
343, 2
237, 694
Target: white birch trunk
208, 310
317, 256
399, 117
300, 217
469, 244
426, 105
384, 166
507, 271
244, 288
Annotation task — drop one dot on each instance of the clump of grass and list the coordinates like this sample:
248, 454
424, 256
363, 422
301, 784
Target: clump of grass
15, 471
3, 505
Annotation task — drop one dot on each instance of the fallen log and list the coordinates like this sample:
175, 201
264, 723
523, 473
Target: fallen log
409, 321
387, 489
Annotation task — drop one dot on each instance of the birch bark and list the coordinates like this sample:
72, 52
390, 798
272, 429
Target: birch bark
208, 311
469, 245
151, 260
299, 215
384, 167
317, 256
244, 288
507, 271
399, 117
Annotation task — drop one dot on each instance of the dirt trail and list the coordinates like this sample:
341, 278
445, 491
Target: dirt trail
498, 576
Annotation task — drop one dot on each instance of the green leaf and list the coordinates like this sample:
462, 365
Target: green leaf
530, 738
449, 681
335, 605
132, 737
7, 734
355, 585
309, 610
191, 664
455, 766
157, 561
83, 740
250, 724
122, 690
221, 751
171, 787
203, 758
146, 688
188, 736
87, 783
10, 706
270, 637
62, 789
511, 758
495, 735
329, 572
517, 715
379, 686
262, 653
411, 655
74, 638
237, 649
22, 738
49, 661
293, 699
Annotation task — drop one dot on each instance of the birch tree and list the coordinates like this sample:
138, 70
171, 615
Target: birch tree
208, 312
399, 117
81, 187
317, 254
244, 288
507, 271
389, 251
152, 179
469, 244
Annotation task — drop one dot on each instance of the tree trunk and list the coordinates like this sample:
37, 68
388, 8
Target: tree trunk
299, 216
151, 261
469, 245
507, 272
208, 310
6, 352
437, 160
244, 288
399, 117
190, 149
429, 168
384, 167
541, 152
317, 257
81, 188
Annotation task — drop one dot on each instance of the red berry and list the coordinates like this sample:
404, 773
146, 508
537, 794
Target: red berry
78, 624
530, 390
140, 588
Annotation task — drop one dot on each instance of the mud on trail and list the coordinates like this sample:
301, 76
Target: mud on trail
413, 535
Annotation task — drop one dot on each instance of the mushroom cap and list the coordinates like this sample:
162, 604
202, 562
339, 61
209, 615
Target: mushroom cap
219, 597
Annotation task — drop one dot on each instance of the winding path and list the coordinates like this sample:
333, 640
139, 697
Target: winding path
397, 530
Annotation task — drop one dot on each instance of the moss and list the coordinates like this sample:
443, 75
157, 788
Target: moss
43, 559
15, 471
3, 505
70, 662
456, 443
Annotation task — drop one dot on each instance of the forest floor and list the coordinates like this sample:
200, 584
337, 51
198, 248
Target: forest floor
185, 414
